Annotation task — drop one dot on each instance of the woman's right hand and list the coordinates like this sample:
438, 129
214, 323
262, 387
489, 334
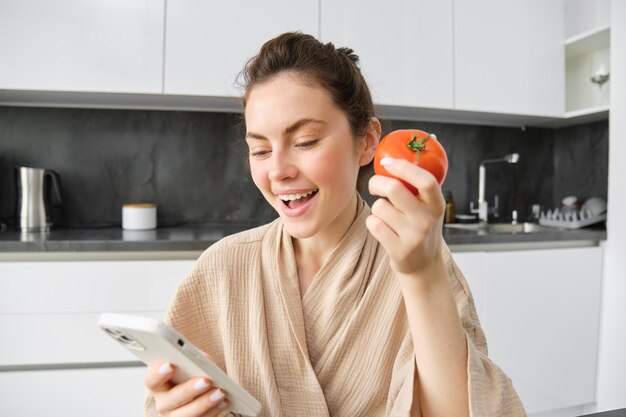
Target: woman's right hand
193, 398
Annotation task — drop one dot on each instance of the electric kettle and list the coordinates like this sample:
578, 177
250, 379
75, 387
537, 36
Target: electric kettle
34, 191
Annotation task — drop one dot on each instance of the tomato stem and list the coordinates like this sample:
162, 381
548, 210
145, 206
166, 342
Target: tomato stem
418, 145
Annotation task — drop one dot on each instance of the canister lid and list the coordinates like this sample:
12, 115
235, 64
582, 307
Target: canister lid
140, 205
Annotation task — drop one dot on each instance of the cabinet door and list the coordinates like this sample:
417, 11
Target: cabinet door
584, 16
105, 392
208, 42
472, 265
509, 56
76, 45
542, 314
58, 304
405, 47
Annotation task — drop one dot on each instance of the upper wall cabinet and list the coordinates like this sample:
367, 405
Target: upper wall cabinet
76, 45
405, 47
587, 57
208, 42
586, 16
509, 56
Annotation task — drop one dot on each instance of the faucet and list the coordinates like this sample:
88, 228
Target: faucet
483, 209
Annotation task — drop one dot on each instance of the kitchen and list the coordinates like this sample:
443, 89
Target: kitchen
129, 108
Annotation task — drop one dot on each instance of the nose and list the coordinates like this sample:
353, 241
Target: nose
282, 167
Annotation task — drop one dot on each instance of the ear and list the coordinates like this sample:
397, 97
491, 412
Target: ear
371, 139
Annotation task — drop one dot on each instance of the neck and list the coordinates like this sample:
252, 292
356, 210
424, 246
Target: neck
316, 250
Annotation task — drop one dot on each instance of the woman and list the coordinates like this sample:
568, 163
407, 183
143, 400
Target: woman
333, 308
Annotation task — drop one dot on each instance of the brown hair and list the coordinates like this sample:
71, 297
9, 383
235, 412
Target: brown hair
335, 69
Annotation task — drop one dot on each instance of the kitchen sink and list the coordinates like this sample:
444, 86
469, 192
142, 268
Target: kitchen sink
500, 227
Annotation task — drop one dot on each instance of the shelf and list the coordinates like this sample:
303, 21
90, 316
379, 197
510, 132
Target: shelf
587, 54
577, 117
587, 42
601, 112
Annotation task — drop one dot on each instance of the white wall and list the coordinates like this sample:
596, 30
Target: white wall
611, 383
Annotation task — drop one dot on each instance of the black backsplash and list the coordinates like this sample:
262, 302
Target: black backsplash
192, 164
517, 186
581, 155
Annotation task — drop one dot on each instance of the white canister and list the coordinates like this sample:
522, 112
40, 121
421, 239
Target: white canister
139, 216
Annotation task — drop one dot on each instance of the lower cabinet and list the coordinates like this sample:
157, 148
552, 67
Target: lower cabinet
104, 392
54, 359
540, 312
473, 266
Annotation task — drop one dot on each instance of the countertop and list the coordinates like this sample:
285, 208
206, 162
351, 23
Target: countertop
198, 238
613, 413
458, 237
115, 239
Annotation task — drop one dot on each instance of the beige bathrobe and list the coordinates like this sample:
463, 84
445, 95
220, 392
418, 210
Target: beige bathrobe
344, 349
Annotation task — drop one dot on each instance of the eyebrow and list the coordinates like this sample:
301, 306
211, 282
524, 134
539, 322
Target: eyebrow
290, 129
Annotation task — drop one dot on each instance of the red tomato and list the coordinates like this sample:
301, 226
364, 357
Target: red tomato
415, 146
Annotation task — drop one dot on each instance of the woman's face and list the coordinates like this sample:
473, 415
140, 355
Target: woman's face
303, 156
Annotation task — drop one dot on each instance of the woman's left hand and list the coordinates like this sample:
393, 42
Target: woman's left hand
408, 226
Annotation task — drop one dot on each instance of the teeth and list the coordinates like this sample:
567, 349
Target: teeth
291, 197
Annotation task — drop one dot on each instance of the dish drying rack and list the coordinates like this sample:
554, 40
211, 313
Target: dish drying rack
570, 219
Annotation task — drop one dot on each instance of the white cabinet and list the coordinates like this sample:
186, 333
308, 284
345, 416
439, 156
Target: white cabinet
59, 303
509, 56
107, 392
586, 16
542, 321
540, 312
76, 45
405, 47
587, 57
208, 42
457, 61
474, 268
54, 360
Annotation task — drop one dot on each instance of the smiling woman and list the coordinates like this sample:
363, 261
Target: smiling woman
333, 308
313, 155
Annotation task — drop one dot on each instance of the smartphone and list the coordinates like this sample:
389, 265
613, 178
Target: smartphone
153, 341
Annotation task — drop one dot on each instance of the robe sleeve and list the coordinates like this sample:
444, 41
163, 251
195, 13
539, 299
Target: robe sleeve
193, 313
491, 392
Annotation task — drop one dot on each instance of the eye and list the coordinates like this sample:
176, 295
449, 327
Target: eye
308, 144
259, 154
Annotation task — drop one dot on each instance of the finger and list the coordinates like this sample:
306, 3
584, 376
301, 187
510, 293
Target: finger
391, 188
424, 181
158, 377
210, 404
390, 215
382, 232
217, 410
184, 393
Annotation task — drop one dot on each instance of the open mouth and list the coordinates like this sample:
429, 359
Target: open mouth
294, 201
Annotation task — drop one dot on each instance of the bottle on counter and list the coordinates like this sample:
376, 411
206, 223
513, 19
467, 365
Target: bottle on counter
450, 216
